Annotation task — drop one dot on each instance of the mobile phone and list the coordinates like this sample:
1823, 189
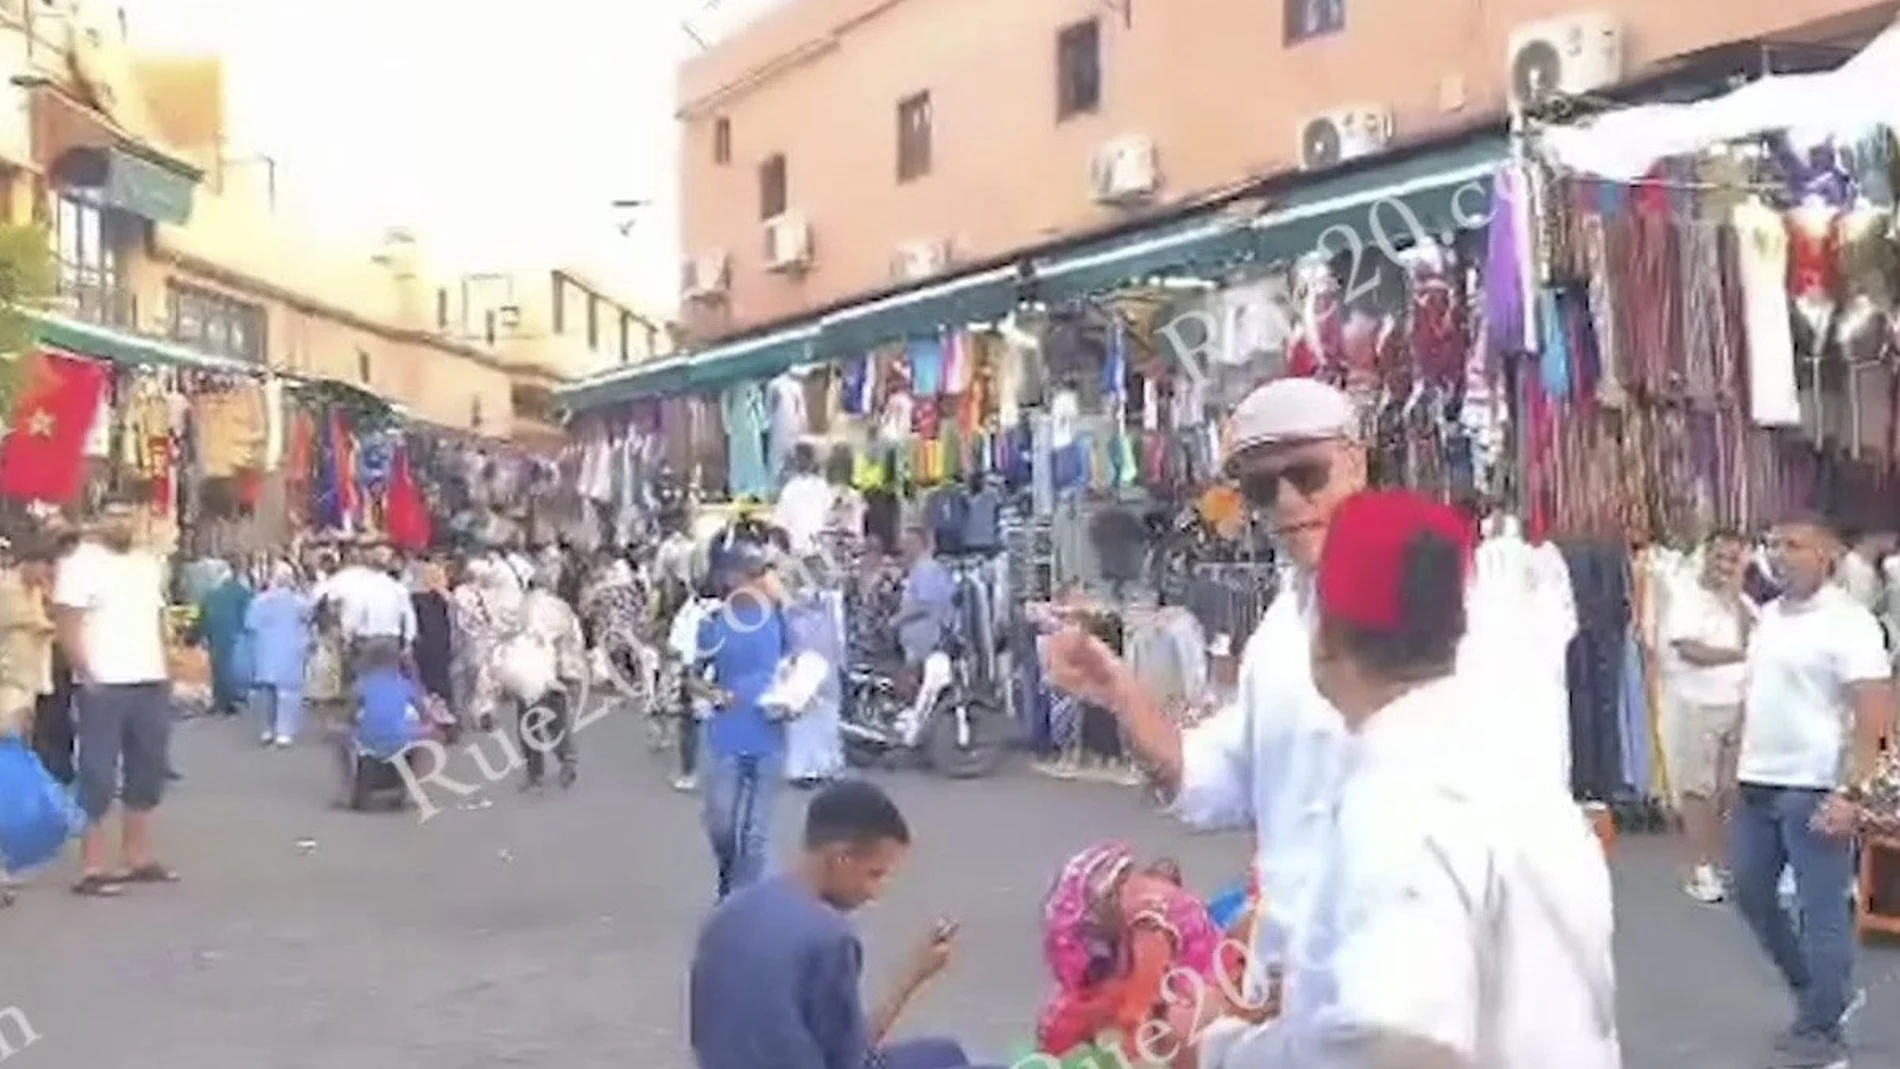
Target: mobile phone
945, 931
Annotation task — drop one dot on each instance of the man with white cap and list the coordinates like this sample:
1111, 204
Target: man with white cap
1272, 757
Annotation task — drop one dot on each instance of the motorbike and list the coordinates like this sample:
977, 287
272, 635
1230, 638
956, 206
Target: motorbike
948, 726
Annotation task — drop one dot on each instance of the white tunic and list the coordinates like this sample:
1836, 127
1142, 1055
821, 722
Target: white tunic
1272, 758
1464, 919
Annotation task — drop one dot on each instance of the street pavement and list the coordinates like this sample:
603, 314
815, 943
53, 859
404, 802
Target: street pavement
554, 930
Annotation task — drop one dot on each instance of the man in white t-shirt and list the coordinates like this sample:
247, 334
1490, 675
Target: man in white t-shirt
1818, 700
1705, 633
109, 609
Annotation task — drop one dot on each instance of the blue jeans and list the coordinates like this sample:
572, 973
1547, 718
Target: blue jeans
1770, 829
280, 708
738, 796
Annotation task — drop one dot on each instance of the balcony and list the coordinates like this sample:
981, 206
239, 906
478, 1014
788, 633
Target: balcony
101, 303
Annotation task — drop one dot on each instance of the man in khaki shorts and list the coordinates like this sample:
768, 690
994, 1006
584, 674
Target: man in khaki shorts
1706, 632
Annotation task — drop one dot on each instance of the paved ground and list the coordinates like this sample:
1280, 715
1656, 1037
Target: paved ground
552, 931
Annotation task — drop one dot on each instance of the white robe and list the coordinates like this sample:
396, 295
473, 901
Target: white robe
1464, 919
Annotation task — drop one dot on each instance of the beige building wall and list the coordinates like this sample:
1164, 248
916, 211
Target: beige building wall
381, 317
1213, 83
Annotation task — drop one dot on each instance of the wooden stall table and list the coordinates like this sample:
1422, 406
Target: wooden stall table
1878, 896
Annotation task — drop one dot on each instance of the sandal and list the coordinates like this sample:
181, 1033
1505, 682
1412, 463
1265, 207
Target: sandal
151, 872
98, 885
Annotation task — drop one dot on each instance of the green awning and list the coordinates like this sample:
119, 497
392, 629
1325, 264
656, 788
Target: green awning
756, 357
623, 384
1198, 247
1386, 206
131, 350
978, 297
146, 189
1432, 191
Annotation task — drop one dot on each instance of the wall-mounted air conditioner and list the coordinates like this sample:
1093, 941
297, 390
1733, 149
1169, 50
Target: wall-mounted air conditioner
1567, 56
787, 242
705, 277
1125, 171
920, 259
1343, 134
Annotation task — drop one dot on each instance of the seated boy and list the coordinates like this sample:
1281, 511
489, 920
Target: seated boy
776, 969
391, 716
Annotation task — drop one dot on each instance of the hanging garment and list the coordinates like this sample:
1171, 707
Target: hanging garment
785, 401
1762, 253
745, 417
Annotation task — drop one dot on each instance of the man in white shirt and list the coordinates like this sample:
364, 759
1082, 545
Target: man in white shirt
1271, 758
373, 606
1465, 918
1818, 700
1706, 634
109, 610
805, 503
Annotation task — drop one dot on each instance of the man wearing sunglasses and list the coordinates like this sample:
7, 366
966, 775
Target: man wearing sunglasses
1270, 758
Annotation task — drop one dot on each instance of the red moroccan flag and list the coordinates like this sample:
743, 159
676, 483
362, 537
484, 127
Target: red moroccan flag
44, 455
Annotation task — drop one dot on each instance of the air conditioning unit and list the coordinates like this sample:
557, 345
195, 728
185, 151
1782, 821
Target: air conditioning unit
920, 259
787, 242
1343, 134
1125, 171
705, 277
1563, 57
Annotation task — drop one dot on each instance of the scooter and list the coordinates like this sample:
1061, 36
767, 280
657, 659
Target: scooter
947, 725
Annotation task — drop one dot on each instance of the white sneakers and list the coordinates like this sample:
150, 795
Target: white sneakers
1706, 885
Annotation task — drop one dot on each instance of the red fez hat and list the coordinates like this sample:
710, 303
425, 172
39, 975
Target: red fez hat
1362, 569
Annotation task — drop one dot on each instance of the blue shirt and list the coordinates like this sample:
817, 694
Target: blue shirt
278, 621
389, 708
743, 644
929, 597
775, 984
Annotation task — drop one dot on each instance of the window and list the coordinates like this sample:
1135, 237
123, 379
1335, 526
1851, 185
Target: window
772, 193
85, 242
593, 322
362, 366
560, 305
475, 412
488, 326
216, 323
722, 141
1079, 69
441, 308
626, 337
913, 137
1307, 19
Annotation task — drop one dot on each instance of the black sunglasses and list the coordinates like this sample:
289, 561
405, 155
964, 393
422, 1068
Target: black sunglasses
1261, 486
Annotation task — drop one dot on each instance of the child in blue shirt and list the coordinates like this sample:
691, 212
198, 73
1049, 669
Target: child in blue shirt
390, 713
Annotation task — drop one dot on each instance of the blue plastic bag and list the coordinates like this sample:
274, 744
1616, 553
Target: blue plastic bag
1228, 906
37, 815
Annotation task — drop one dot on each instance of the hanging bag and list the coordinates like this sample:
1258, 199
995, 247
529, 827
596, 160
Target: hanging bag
37, 815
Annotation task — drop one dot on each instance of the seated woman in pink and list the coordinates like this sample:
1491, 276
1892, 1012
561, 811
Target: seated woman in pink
1112, 935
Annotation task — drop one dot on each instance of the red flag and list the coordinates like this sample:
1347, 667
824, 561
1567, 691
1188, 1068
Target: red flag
408, 515
44, 455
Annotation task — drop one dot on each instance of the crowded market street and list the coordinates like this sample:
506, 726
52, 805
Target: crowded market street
555, 930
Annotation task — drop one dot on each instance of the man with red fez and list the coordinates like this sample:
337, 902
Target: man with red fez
1274, 758
1465, 918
